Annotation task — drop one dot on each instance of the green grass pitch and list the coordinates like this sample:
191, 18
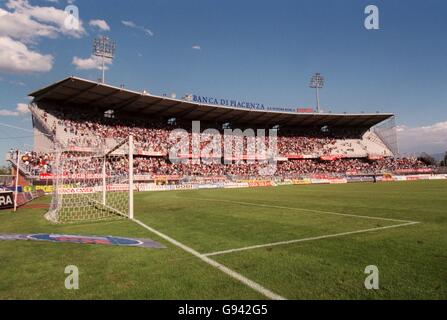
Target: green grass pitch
330, 264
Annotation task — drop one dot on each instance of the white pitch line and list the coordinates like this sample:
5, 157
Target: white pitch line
302, 209
307, 239
250, 283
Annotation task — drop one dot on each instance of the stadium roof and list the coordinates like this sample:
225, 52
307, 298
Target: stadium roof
82, 93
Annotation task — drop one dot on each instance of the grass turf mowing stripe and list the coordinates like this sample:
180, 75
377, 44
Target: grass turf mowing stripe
255, 286
302, 209
308, 239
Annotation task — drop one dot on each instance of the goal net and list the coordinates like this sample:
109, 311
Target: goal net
92, 185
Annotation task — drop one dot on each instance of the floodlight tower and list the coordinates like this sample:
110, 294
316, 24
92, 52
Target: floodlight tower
317, 82
104, 47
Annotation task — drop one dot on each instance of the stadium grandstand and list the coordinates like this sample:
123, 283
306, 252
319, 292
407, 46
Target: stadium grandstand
81, 116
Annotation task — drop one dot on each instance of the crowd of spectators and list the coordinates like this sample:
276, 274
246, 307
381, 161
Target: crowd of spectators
159, 166
35, 164
32, 162
83, 129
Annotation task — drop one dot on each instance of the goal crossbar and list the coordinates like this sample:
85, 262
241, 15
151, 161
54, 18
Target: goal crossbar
93, 187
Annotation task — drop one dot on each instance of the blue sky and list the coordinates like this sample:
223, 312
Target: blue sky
263, 51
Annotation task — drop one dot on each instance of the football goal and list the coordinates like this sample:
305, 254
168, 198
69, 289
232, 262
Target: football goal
92, 184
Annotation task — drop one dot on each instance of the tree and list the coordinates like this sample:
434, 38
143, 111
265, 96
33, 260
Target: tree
444, 162
427, 159
5, 171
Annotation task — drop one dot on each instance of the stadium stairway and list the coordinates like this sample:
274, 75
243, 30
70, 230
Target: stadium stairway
375, 146
38, 116
23, 170
369, 145
350, 148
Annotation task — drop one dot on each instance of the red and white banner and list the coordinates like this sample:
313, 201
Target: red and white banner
299, 156
77, 190
85, 190
330, 158
166, 177
422, 170
374, 158
305, 110
141, 152
256, 184
77, 176
253, 157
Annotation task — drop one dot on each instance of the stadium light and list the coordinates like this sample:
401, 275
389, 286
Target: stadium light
104, 47
317, 82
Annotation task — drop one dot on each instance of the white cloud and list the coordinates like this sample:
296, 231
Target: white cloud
16, 57
101, 24
129, 24
22, 25
93, 62
21, 109
8, 113
432, 138
133, 25
148, 32
27, 22
196, 47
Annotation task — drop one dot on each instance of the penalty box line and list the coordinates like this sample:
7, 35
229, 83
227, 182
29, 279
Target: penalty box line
303, 209
274, 244
235, 275
402, 223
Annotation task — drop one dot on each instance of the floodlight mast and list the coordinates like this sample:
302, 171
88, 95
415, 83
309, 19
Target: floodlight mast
317, 82
104, 47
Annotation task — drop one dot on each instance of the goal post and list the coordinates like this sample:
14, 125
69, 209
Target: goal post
131, 153
91, 185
